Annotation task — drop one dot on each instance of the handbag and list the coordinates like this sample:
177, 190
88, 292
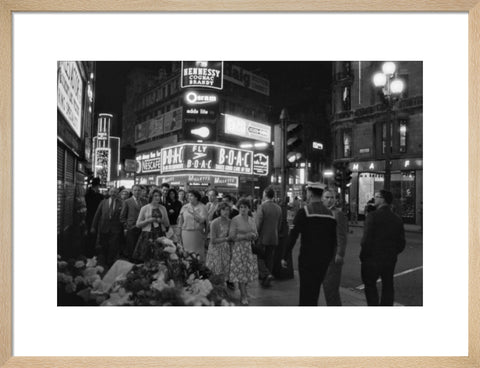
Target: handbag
257, 248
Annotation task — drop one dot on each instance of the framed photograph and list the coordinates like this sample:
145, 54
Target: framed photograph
351, 101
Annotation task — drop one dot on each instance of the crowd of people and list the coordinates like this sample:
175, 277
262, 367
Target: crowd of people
239, 239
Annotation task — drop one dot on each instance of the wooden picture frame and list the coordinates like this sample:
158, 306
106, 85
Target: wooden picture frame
8, 7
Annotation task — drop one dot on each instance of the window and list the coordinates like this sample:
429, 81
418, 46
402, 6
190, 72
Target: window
384, 137
346, 99
402, 136
347, 143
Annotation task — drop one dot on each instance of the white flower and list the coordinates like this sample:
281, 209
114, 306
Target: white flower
62, 264
173, 257
92, 262
79, 264
165, 241
170, 249
78, 280
99, 269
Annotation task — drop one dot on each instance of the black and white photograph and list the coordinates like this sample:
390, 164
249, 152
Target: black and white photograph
240, 183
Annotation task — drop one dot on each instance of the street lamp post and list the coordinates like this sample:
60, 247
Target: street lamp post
283, 124
392, 87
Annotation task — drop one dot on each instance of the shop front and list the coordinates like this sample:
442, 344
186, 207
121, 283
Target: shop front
406, 187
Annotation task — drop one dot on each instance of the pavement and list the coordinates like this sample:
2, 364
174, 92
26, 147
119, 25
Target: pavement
285, 293
408, 227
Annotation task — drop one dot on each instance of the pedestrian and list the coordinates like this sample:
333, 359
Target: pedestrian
212, 203
93, 197
124, 195
331, 283
268, 220
317, 227
228, 198
219, 252
173, 207
383, 240
153, 220
144, 193
182, 197
192, 220
128, 217
165, 187
106, 224
243, 265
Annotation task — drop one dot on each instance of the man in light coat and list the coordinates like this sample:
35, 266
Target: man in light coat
128, 218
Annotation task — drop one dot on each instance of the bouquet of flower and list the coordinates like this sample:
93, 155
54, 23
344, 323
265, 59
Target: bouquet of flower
74, 276
173, 277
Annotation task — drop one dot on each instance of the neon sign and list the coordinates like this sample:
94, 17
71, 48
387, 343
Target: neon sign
207, 157
206, 74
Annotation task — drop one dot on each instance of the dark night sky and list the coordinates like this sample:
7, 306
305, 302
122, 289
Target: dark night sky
293, 84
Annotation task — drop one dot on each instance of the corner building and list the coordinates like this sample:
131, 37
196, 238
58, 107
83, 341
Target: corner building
359, 121
203, 128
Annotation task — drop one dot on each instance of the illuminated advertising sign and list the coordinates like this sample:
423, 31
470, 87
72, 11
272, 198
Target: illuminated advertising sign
201, 180
244, 78
260, 164
248, 129
200, 98
130, 165
207, 157
149, 162
169, 122
173, 120
206, 74
225, 181
102, 165
69, 94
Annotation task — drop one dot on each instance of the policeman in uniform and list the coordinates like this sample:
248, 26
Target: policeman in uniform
317, 225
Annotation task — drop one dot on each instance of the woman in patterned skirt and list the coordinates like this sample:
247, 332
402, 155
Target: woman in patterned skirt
153, 220
243, 266
219, 254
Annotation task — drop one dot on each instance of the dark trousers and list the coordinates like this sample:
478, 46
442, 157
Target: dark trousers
331, 285
131, 239
265, 261
311, 278
371, 271
109, 247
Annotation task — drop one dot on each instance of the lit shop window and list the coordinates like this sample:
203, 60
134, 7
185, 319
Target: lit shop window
403, 136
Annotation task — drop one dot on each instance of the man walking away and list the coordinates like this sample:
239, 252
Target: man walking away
383, 239
318, 227
268, 220
331, 283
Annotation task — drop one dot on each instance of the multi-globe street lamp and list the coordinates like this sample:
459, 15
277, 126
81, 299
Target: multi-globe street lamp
392, 88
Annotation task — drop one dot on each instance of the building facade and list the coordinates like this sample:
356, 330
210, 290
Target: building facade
75, 109
360, 117
200, 125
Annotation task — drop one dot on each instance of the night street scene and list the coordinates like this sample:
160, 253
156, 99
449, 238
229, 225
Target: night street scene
239, 183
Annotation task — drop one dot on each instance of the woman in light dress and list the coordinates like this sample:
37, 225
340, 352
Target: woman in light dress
219, 253
243, 265
192, 221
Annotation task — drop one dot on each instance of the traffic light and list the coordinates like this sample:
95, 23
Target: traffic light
338, 178
348, 176
294, 140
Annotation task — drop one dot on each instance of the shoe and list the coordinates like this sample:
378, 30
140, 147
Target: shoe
267, 281
244, 301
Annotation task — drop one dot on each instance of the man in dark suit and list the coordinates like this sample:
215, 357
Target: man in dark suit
268, 219
106, 224
128, 218
383, 239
